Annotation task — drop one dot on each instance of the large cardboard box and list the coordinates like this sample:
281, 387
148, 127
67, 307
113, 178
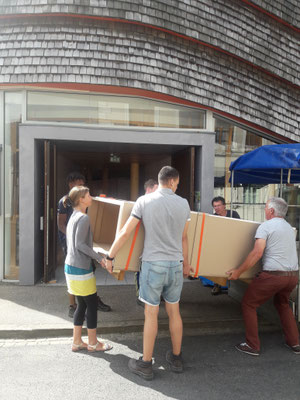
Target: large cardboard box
221, 244
192, 233
216, 244
107, 217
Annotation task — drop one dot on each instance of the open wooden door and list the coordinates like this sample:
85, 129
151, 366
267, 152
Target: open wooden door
49, 211
184, 162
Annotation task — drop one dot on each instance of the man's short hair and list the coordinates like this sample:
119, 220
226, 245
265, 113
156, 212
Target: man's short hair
218, 198
75, 176
279, 206
167, 173
149, 184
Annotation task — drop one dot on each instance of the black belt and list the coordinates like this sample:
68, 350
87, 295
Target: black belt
283, 273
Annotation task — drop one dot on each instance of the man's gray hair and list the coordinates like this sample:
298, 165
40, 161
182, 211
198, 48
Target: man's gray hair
279, 206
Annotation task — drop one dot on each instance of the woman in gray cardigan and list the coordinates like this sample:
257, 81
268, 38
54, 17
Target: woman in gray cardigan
79, 273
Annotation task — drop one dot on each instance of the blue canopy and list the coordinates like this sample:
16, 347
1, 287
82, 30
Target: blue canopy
264, 165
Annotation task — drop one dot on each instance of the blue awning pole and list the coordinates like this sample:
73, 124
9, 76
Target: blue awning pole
232, 178
281, 177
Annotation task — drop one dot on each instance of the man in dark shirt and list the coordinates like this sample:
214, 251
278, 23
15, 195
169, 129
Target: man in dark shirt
63, 216
219, 207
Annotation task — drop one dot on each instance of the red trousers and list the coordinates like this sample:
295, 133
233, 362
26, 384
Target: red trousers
262, 288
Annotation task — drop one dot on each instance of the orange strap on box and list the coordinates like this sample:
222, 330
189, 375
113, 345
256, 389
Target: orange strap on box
132, 245
200, 245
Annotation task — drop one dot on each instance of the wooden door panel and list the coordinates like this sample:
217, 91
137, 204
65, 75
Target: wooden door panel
184, 161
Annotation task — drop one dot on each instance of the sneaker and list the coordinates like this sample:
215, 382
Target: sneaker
140, 303
245, 348
141, 368
295, 349
176, 363
72, 311
101, 306
216, 290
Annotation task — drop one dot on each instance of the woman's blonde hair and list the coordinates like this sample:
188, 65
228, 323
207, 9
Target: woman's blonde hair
75, 194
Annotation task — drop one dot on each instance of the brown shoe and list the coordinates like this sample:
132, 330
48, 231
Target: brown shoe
245, 348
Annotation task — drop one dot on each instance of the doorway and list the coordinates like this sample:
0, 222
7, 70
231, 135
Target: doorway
106, 157
109, 172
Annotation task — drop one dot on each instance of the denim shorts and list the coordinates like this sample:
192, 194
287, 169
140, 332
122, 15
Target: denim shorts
161, 278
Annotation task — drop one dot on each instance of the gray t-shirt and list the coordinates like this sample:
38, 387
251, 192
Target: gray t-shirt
164, 215
80, 242
280, 253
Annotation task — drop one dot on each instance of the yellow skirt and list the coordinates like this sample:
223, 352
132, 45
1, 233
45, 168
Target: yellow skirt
80, 282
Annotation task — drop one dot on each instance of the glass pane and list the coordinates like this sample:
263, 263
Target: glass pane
111, 111
291, 194
13, 115
232, 142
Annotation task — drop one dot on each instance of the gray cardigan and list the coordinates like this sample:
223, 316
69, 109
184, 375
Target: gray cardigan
80, 242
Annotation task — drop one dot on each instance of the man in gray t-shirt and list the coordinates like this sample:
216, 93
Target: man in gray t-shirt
164, 264
164, 216
275, 243
150, 186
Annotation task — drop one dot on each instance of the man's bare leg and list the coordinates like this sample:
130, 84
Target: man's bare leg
175, 326
150, 331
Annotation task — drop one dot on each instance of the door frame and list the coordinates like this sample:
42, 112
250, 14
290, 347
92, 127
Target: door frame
30, 134
49, 223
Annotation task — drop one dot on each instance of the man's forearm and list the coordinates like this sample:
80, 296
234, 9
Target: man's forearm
250, 261
123, 235
118, 243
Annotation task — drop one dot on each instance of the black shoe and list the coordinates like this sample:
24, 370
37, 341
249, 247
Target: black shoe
216, 290
72, 311
101, 306
176, 363
140, 303
141, 368
245, 348
295, 349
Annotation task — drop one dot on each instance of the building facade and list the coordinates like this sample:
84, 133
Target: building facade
116, 89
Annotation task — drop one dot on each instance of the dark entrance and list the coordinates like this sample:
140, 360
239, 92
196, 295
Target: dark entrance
111, 170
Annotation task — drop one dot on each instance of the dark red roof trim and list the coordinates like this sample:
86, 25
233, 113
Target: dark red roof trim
273, 16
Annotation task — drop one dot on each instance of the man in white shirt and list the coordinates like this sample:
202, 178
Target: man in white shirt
276, 244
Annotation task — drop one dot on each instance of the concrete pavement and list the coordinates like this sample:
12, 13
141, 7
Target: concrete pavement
42, 311
47, 369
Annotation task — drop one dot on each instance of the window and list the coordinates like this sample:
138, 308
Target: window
109, 110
